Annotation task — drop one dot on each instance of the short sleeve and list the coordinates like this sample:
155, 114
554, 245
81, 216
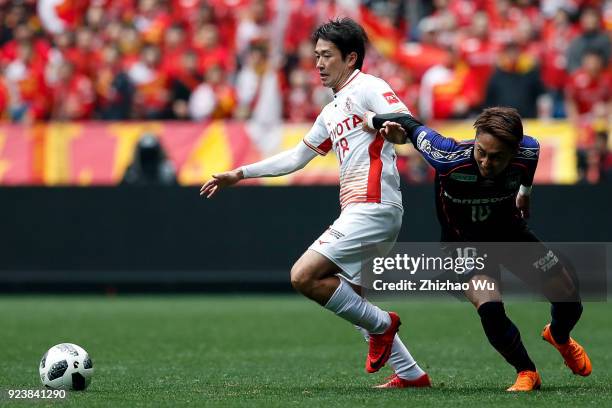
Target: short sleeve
317, 138
378, 97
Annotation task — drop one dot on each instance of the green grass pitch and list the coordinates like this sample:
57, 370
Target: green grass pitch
284, 351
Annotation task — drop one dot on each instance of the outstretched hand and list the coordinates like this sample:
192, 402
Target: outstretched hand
220, 180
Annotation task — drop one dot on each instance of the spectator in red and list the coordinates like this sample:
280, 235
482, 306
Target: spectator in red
558, 33
214, 98
23, 34
183, 11
479, 52
449, 90
589, 94
530, 10
445, 24
152, 95
592, 38
85, 55
96, 18
219, 13
152, 20
252, 26
173, 49
300, 25
299, 106
204, 14
63, 49
4, 99
418, 57
111, 34
409, 88
525, 36
29, 99
462, 10
210, 50
129, 45
506, 15
73, 94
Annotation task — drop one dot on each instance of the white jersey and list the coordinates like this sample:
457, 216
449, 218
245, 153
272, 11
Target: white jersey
368, 172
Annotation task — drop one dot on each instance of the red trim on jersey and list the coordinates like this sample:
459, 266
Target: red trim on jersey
375, 149
316, 149
326, 145
348, 82
520, 165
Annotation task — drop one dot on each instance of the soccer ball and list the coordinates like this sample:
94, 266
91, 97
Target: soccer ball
66, 366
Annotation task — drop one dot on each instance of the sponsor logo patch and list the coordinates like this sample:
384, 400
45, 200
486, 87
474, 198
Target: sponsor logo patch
469, 178
546, 262
390, 98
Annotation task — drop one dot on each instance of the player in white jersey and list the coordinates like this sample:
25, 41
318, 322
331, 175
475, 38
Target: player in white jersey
370, 198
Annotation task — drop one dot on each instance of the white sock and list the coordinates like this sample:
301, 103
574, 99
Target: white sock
350, 306
401, 360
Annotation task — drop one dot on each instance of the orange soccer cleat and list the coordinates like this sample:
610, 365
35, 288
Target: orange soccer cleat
396, 382
526, 381
573, 353
380, 345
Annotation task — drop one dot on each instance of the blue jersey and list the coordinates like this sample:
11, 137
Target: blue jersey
469, 206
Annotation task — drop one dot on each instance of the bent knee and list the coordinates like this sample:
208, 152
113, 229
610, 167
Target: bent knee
301, 277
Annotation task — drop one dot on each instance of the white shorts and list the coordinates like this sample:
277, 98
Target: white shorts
345, 242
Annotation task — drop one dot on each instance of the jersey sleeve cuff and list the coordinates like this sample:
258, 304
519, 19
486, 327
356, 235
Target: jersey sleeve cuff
245, 172
314, 148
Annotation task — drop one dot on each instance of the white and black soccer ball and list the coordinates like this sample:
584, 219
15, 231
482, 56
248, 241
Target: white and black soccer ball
66, 366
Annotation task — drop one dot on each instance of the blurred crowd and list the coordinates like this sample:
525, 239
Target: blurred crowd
200, 59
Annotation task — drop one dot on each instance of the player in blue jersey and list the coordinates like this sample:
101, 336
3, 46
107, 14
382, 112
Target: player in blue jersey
482, 195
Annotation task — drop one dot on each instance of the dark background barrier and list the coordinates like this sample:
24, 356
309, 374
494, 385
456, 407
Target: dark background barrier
246, 238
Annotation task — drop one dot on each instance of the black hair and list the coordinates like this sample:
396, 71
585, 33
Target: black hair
345, 34
503, 123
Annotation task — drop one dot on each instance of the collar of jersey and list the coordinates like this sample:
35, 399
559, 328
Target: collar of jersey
353, 76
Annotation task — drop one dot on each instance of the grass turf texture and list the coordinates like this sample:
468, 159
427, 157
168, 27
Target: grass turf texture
284, 351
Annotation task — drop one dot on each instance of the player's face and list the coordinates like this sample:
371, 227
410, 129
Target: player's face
491, 155
333, 70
